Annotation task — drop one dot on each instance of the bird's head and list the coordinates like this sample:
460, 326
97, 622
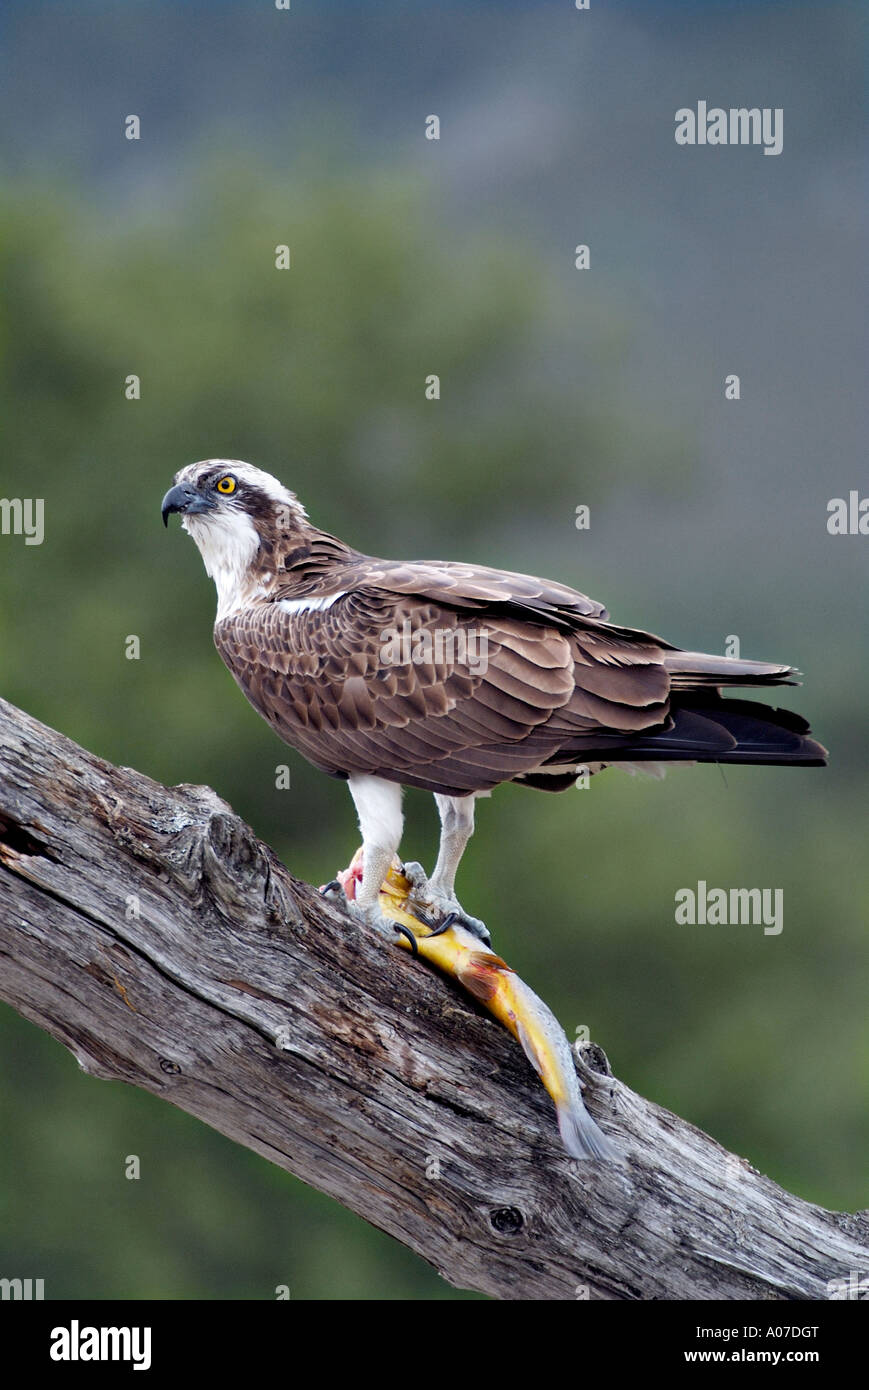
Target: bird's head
239, 517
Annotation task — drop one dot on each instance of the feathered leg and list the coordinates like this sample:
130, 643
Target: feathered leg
378, 806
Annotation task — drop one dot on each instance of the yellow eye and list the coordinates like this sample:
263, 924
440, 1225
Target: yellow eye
226, 485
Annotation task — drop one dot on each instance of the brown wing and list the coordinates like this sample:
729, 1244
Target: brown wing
401, 685
328, 566
477, 586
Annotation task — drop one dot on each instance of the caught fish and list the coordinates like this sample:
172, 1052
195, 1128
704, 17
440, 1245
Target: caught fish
457, 952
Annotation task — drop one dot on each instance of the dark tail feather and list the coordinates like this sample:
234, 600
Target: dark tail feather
709, 729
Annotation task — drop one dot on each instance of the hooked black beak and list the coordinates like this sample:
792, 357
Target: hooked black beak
184, 498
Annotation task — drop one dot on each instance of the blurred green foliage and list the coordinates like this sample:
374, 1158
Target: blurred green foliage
317, 374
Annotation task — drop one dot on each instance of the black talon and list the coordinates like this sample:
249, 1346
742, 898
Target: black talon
445, 924
405, 931
330, 887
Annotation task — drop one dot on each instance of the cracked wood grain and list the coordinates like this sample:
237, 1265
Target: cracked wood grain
149, 931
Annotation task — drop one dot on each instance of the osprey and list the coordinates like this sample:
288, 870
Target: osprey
450, 677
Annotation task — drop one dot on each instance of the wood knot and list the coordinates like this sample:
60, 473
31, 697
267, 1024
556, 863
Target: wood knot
592, 1058
507, 1221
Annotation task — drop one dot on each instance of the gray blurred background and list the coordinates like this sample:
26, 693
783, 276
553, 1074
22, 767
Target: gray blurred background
558, 387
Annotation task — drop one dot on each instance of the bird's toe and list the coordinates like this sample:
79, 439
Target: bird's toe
371, 916
417, 878
471, 924
438, 905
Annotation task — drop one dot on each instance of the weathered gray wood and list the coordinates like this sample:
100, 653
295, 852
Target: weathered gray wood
150, 932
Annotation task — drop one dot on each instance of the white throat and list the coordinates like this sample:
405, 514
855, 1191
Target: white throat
228, 545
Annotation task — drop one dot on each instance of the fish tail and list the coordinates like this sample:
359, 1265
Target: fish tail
581, 1136
547, 1048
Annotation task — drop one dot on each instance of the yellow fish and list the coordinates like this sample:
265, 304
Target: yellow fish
457, 952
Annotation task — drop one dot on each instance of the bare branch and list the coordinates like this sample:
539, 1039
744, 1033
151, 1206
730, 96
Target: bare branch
150, 932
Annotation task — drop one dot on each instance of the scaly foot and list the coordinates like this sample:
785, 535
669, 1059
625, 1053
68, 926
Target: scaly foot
346, 886
425, 895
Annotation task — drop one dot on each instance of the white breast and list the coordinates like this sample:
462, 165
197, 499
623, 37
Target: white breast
228, 544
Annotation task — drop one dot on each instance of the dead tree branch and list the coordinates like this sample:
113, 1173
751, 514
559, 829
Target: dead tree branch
150, 932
